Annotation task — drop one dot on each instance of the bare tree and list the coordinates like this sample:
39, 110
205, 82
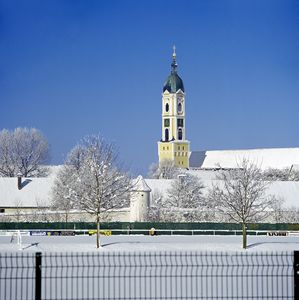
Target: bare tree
23, 150
155, 206
166, 170
184, 197
241, 195
19, 210
277, 209
8, 167
286, 174
185, 191
62, 192
95, 184
291, 215
42, 211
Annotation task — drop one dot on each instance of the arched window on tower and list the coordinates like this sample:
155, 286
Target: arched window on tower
167, 107
179, 107
180, 134
166, 135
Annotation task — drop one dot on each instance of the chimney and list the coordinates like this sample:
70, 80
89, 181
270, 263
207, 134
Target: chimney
19, 180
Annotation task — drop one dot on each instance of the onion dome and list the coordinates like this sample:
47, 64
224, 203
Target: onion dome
173, 82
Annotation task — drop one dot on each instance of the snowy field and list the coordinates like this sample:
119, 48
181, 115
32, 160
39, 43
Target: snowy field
148, 267
149, 243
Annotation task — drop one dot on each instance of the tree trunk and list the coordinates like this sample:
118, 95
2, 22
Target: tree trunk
98, 232
244, 235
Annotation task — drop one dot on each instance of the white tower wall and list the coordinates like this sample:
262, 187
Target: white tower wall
139, 202
139, 206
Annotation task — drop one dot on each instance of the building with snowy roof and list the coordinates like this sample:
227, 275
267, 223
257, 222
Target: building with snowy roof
272, 158
35, 194
33, 200
23, 199
174, 145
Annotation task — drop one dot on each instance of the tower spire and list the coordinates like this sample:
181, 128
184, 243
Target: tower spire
173, 64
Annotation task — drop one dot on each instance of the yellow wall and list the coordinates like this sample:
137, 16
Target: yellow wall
181, 154
176, 151
165, 151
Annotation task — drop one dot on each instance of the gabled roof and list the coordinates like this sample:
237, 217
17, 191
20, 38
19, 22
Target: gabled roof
286, 190
277, 158
34, 191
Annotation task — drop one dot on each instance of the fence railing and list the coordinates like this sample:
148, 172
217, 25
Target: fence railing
68, 232
149, 275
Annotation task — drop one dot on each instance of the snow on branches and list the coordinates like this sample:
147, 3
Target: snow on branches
241, 194
91, 181
23, 150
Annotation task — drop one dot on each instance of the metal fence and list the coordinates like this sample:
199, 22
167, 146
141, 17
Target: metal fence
149, 275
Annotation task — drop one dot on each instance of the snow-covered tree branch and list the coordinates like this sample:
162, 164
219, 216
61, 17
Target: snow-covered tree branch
184, 198
90, 180
185, 192
23, 151
241, 195
166, 169
286, 174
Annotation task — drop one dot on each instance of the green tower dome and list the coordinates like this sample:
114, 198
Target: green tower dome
173, 82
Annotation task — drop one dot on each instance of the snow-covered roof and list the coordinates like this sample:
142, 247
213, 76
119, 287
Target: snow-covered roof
34, 191
203, 174
287, 190
159, 185
139, 185
278, 158
38, 190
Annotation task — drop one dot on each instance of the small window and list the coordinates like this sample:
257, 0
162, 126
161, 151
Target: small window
166, 135
166, 122
180, 134
167, 107
180, 122
183, 148
179, 148
167, 148
179, 107
2, 210
163, 148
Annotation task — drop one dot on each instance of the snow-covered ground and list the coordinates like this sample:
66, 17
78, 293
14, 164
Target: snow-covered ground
149, 243
149, 267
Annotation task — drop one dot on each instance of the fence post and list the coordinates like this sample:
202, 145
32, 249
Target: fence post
296, 274
38, 275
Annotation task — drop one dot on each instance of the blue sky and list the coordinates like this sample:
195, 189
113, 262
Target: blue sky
73, 68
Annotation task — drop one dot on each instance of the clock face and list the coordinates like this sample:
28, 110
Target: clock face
166, 122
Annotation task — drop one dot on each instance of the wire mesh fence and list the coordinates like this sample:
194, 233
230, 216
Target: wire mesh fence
147, 275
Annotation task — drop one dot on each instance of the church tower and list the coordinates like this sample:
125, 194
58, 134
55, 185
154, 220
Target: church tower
173, 144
